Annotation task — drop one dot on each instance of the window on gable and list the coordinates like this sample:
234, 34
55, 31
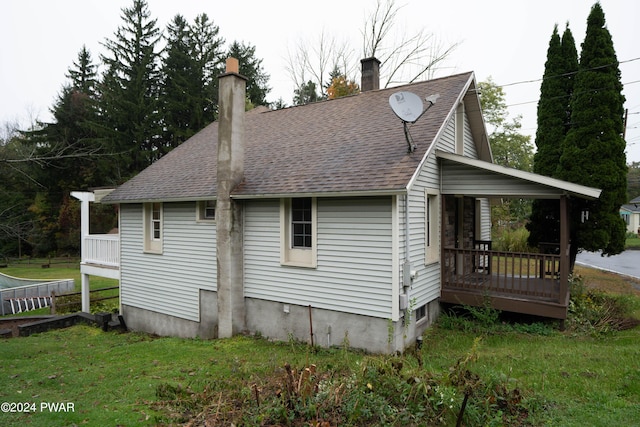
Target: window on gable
152, 218
206, 210
298, 225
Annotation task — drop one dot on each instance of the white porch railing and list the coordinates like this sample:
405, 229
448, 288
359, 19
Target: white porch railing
102, 249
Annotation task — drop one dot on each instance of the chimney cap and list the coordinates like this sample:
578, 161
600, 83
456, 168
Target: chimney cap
233, 66
370, 59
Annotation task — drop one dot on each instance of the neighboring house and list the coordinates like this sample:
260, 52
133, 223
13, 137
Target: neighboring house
318, 222
631, 215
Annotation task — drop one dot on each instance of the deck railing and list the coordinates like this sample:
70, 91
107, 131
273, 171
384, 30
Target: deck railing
102, 249
522, 275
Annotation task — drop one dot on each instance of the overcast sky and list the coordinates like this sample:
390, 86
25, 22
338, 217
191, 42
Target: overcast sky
503, 39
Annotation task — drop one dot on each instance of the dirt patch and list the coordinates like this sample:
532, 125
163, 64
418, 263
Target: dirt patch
12, 323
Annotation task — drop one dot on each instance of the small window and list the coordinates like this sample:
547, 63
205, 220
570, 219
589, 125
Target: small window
298, 224
206, 210
431, 227
153, 227
421, 312
301, 224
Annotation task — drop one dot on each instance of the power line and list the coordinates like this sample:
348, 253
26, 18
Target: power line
571, 73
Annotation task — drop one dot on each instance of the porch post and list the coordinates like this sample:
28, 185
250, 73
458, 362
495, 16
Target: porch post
564, 248
85, 198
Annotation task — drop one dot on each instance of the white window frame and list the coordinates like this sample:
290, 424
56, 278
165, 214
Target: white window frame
297, 256
204, 210
153, 227
431, 226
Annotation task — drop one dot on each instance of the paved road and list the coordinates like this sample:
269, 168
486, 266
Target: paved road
627, 263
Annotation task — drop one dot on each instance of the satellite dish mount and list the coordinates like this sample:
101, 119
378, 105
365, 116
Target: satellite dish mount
409, 108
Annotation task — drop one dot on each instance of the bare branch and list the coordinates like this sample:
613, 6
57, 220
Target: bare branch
403, 58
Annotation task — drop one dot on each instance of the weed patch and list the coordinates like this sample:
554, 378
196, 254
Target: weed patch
596, 312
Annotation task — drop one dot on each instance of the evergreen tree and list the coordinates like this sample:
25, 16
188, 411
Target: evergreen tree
210, 57
130, 85
187, 101
251, 68
593, 150
553, 123
305, 94
65, 156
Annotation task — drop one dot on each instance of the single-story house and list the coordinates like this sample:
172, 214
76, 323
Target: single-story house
631, 215
330, 222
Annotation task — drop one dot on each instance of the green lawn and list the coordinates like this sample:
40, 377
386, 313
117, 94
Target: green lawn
62, 270
571, 378
633, 241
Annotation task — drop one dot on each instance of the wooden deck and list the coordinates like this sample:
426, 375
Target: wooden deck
517, 282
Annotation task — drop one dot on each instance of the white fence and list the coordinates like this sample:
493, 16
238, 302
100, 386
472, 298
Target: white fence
102, 249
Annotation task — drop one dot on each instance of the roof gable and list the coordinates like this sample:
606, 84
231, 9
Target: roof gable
354, 144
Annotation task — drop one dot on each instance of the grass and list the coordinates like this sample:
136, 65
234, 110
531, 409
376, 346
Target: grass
548, 377
64, 269
633, 241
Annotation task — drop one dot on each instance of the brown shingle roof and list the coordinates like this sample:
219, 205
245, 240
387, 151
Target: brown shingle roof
350, 144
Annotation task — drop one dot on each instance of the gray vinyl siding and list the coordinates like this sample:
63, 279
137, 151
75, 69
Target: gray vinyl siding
469, 144
354, 268
459, 178
426, 286
168, 283
485, 219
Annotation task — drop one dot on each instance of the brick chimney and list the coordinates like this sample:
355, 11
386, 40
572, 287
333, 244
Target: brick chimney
370, 74
230, 170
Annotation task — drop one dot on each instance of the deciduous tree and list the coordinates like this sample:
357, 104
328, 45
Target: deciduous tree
509, 147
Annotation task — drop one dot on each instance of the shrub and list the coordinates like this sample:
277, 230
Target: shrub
512, 240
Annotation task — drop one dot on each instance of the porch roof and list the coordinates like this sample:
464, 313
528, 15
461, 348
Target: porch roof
473, 177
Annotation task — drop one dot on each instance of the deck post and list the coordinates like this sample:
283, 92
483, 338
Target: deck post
85, 198
564, 248
85, 294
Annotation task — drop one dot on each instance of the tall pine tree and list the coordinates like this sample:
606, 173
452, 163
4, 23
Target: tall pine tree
251, 68
593, 150
553, 123
186, 97
129, 103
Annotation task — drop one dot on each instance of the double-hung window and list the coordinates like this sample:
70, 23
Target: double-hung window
298, 224
152, 227
206, 211
301, 223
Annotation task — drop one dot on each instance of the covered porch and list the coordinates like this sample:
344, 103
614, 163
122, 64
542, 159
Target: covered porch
100, 253
472, 272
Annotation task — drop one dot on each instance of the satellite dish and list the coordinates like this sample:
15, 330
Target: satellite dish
407, 106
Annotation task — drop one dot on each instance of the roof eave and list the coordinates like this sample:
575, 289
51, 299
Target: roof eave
564, 186
354, 193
